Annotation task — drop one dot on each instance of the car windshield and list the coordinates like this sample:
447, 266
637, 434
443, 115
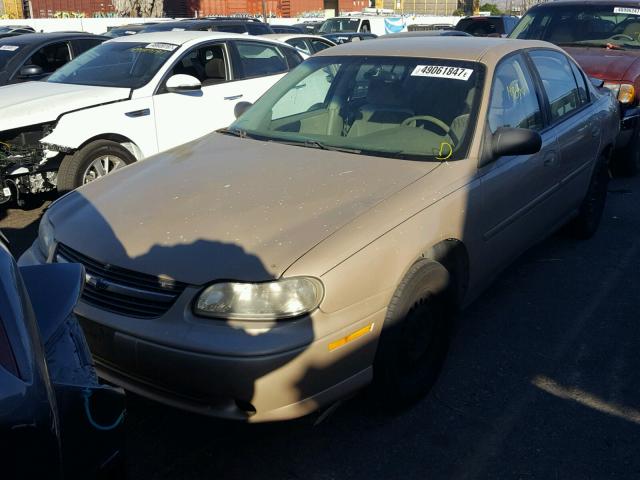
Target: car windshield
116, 64
7, 52
583, 25
415, 108
340, 25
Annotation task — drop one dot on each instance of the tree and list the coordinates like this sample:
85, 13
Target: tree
138, 8
491, 7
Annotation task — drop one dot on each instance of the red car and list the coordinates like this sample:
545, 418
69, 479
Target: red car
603, 36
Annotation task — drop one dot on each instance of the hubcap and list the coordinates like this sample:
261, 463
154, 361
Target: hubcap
100, 167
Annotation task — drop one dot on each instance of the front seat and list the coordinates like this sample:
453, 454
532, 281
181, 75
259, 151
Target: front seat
214, 71
385, 107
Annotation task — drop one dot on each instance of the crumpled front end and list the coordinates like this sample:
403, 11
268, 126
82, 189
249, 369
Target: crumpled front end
26, 166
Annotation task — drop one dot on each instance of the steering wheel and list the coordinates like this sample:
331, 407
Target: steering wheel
412, 121
621, 36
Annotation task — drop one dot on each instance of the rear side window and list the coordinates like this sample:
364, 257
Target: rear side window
583, 90
255, 28
514, 103
82, 45
258, 59
51, 57
230, 28
558, 82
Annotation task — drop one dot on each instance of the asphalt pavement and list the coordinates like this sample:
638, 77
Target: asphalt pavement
542, 381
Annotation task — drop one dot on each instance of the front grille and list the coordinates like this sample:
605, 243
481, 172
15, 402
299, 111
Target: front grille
123, 291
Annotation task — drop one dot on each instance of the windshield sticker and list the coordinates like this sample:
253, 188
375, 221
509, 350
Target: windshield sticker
167, 47
8, 48
177, 29
440, 71
627, 10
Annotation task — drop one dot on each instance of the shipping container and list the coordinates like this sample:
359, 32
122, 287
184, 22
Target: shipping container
70, 8
11, 8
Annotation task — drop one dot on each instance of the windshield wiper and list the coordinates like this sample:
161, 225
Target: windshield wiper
607, 45
236, 132
317, 144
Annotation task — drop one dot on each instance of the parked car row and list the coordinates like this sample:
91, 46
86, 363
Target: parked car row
323, 241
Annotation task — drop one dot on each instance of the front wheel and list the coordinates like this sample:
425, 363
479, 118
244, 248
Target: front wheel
91, 162
415, 336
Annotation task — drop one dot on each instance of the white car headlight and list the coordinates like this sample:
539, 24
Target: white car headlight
280, 299
46, 237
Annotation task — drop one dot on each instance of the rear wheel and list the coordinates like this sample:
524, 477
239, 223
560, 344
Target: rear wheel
586, 223
627, 161
415, 337
91, 162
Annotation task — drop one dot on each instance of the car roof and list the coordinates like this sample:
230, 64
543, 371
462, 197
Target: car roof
459, 48
30, 38
179, 37
287, 36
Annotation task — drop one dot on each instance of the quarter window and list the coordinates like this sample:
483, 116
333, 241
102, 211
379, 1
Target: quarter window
558, 81
514, 102
257, 59
582, 84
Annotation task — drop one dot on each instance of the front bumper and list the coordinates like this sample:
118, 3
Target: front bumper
236, 370
629, 122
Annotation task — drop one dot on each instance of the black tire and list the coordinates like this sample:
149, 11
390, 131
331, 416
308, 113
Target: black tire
73, 167
415, 337
626, 162
586, 224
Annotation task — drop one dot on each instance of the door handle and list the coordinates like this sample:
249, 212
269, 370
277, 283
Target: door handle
138, 113
233, 97
550, 159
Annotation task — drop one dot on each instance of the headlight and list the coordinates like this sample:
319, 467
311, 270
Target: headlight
280, 299
624, 92
46, 238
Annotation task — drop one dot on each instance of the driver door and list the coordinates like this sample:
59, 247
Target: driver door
185, 116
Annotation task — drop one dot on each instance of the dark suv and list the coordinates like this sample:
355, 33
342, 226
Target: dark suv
214, 24
491, 26
604, 38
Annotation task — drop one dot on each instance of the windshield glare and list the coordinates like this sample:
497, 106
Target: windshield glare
340, 25
387, 106
582, 25
116, 64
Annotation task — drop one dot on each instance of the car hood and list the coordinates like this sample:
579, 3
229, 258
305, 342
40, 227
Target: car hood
225, 208
602, 63
31, 103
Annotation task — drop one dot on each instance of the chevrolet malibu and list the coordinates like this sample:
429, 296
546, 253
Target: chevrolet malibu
323, 241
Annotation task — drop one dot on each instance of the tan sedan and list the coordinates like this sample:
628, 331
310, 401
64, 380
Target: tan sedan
324, 241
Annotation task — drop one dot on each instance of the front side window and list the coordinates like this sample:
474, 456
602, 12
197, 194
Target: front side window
207, 64
558, 81
582, 25
258, 59
116, 64
319, 45
51, 57
258, 28
514, 103
413, 108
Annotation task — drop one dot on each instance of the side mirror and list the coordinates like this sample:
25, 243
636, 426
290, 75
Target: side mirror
31, 71
515, 141
183, 83
596, 82
240, 108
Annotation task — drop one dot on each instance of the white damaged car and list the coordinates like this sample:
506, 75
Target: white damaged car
127, 99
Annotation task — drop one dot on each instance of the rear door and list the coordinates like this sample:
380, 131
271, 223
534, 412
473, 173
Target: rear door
256, 67
517, 190
571, 115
